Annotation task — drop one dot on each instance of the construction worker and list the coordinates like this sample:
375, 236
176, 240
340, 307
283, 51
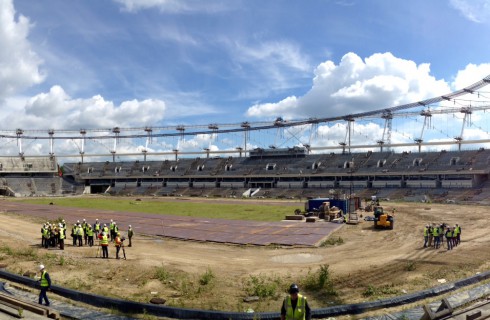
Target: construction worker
105, 229
80, 235
130, 234
104, 243
111, 229
295, 306
45, 282
74, 234
449, 240
62, 237
116, 229
42, 235
46, 237
85, 227
426, 235
96, 228
90, 235
457, 228
118, 244
431, 236
435, 234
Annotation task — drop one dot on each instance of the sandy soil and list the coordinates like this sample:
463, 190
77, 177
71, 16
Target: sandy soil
388, 262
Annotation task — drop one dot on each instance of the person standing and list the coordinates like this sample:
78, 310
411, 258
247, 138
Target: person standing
457, 228
104, 243
295, 306
130, 234
45, 282
62, 237
97, 228
449, 238
90, 235
118, 244
426, 235
430, 235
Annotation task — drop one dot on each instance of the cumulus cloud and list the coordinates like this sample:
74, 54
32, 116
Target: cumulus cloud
474, 10
57, 110
19, 64
355, 85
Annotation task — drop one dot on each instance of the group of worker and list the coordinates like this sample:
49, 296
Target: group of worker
434, 235
54, 235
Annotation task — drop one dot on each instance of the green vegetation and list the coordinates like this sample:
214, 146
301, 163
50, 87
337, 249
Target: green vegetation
332, 242
320, 281
262, 286
181, 207
390, 289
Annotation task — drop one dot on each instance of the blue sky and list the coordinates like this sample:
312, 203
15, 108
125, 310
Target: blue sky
134, 63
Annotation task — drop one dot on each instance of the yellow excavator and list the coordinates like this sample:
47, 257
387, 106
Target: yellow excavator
383, 220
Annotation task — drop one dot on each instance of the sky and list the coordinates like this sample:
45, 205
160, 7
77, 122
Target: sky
87, 64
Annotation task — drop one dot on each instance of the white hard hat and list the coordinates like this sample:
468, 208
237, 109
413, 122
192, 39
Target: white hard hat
41, 267
130, 226
78, 221
96, 219
111, 220
83, 219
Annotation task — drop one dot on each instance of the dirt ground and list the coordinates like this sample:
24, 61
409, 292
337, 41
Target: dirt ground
368, 265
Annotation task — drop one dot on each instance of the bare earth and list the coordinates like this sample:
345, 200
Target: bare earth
176, 270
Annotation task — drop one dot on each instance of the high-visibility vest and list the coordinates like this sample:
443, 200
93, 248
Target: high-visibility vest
116, 229
104, 241
299, 313
97, 226
62, 234
449, 234
435, 232
46, 234
90, 232
117, 241
44, 281
111, 226
106, 230
130, 232
426, 232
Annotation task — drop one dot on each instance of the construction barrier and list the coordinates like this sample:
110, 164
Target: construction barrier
131, 307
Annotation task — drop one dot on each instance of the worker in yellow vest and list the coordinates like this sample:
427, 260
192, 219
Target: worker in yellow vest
295, 306
449, 240
104, 243
45, 282
62, 237
426, 235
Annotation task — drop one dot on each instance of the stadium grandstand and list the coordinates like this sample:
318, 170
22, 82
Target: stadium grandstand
420, 169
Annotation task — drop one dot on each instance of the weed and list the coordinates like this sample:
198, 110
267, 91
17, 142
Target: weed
411, 266
332, 242
320, 280
207, 277
383, 290
261, 286
62, 261
162, 274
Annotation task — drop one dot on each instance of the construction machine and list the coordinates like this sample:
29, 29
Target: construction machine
329, 213
382, 219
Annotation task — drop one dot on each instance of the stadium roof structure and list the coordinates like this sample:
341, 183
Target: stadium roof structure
451, 104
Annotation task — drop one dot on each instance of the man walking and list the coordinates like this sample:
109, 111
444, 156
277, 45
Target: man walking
118, 244
45, 282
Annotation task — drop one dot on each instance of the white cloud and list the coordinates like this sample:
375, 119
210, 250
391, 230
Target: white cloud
57, 110
474, 10
354, 86
470, 74
19, 65
173, 6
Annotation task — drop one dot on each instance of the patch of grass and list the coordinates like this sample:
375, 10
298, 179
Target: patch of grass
262, 286
206, 277
232, 211
162, 274
320, 281
332, 242
385, 290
